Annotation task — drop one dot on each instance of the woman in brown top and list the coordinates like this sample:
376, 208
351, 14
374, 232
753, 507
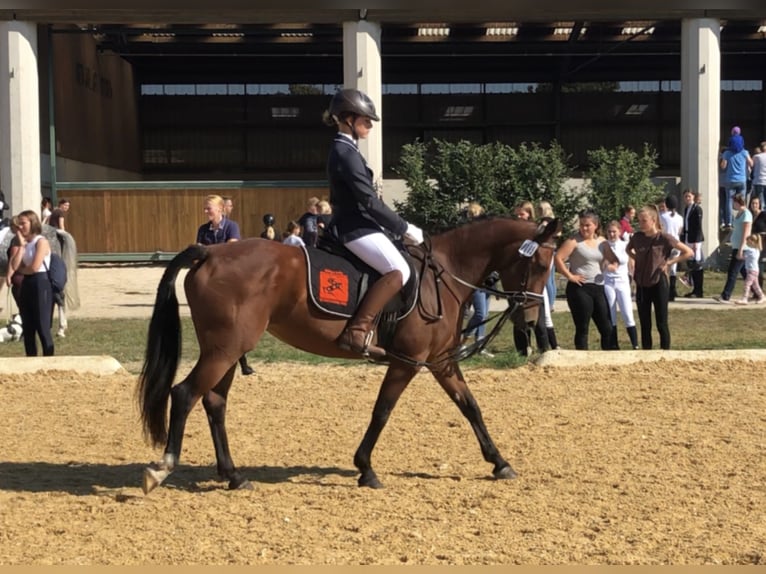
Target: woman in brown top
653, 252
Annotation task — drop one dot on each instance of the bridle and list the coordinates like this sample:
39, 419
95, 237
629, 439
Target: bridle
516, 299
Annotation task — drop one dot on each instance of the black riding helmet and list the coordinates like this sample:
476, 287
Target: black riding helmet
350, 101
268, 220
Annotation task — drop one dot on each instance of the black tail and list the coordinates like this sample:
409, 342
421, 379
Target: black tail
163, 348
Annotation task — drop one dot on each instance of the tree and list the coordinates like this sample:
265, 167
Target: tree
620, 177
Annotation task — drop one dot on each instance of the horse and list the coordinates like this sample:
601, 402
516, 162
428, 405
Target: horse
237, 291
62, 243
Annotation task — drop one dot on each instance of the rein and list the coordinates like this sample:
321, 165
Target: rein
515, 300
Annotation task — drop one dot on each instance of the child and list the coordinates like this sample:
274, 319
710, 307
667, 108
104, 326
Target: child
752, 252
293, 235
617, 284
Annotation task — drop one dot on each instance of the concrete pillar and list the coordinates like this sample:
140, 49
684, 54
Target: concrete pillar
701, 117
362, 70
19, 116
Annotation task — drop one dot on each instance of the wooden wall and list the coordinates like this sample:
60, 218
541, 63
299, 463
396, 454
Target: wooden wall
147, 220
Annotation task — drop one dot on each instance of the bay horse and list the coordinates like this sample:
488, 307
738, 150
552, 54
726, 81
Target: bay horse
236, 291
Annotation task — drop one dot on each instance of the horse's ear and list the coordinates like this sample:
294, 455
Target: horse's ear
548, 229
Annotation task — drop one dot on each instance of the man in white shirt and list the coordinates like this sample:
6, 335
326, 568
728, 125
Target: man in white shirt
758, 174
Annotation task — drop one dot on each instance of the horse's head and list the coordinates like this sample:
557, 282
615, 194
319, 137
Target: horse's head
527, 264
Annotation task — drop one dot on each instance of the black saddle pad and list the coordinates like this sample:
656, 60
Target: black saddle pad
336, 283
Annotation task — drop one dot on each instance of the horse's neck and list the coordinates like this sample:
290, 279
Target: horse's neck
467, 255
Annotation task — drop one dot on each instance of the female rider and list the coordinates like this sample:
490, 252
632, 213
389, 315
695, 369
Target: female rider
361, 219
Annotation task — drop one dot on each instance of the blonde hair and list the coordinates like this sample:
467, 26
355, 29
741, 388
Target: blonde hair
312, 201
474, 210
652, 210
215, 200
754, 240
324, 207
546, 209
527, 207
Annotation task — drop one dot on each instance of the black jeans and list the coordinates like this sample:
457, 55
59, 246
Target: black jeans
588, 302
656, 295
36, 310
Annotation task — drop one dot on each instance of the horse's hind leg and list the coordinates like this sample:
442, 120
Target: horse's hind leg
451, 380
215, 407
396, 380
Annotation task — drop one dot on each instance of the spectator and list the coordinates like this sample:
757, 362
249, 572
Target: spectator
228, 206
32, 260
14, 277
220, 229
691, 235
736, 161
309, 223
45, 210
759, 228
617, 285
671, 222
752, 252
653, 251
545, 209
324, 216
585, 286
626, 222
759, 174
743, 223
293, 235
480, 298
59, 214
268, 228
525, 210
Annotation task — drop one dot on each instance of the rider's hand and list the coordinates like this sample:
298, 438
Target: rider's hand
413, 234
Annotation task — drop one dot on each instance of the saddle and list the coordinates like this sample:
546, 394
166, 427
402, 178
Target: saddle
338, 281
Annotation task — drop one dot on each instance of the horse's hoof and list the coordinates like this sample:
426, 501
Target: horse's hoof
240, 485
505, 473
370, 481
152, 479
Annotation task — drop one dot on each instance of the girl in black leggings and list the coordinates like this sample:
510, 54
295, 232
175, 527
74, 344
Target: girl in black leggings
32, 260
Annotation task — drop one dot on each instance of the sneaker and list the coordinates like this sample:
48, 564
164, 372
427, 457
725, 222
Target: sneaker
740, 302
720, 299
485, 353
761, 300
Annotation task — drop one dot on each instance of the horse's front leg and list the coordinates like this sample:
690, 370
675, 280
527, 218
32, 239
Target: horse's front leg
396, 380
215, 407
451, 380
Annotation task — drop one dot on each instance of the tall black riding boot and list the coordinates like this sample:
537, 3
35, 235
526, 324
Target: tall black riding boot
633, 334
541, 336
552, 338
673, 293
697, 277
246, 369
358, 334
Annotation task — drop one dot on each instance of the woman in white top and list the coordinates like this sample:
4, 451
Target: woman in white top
33, 260
617, 285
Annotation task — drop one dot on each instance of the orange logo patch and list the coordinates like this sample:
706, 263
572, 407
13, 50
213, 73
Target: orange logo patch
333, 287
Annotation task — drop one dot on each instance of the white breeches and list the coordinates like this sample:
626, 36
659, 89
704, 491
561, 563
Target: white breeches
618, 295
377, 251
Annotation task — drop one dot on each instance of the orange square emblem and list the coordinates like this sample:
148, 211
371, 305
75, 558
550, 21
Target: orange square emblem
333, 287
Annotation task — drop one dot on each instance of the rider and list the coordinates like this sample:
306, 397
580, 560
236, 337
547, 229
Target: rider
361, 219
